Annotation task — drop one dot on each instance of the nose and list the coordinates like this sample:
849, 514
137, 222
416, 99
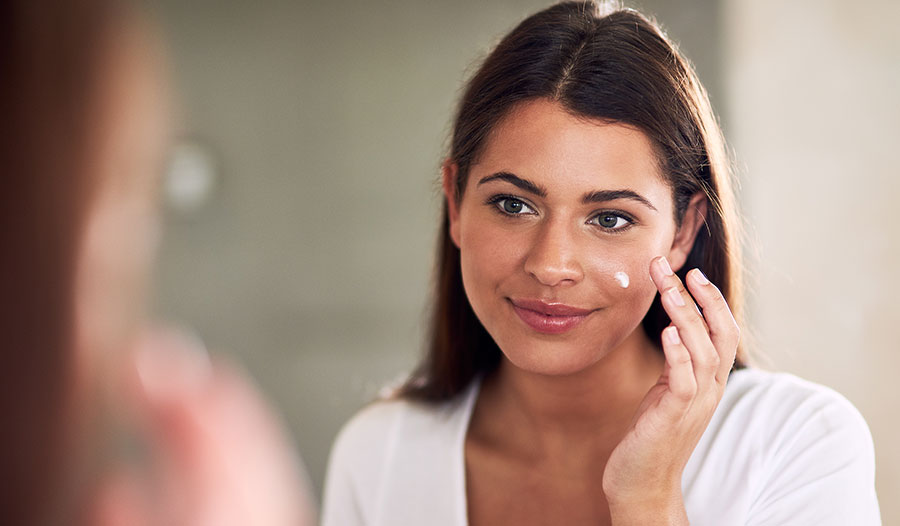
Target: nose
553, 259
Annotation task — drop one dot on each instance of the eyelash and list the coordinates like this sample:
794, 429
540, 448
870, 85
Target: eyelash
495, 201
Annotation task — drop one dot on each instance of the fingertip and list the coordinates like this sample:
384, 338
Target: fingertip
671, 335
659, 269
673, 347
650, 269
698, 277
662, 264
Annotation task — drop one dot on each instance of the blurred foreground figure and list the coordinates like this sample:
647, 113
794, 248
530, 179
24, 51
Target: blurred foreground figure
106, 421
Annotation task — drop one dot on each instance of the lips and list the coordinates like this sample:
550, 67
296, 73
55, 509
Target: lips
549, 318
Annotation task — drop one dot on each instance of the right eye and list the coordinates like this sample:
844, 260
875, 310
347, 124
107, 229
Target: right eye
512, 206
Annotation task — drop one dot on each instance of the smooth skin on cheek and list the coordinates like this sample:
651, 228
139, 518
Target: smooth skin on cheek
618, 278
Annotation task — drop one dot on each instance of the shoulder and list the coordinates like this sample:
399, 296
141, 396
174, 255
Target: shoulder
786, 392
782, 405
797, 452
356, 464
387, 421
353, 465
392, 451
362, 441
371, 422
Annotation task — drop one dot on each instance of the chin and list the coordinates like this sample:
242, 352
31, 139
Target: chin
551, 358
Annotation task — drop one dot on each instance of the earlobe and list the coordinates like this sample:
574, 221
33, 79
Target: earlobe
694, 219
449, 172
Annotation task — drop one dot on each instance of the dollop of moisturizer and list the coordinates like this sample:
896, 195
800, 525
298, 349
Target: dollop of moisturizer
622, 278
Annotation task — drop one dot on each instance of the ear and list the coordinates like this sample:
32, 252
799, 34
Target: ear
449, 172
694, 220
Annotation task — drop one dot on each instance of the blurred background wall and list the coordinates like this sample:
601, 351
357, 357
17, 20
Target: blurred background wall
812, 91
310, 259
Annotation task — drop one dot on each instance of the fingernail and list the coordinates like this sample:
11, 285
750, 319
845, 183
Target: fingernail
675, 296
700, 277
664, 266
672, 335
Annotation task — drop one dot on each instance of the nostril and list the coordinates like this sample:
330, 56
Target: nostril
555, 277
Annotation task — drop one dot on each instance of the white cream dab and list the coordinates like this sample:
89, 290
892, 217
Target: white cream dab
622, 278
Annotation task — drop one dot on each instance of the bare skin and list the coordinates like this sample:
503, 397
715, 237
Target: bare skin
552, 471
592, 425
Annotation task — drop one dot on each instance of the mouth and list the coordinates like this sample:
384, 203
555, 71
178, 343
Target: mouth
549, 318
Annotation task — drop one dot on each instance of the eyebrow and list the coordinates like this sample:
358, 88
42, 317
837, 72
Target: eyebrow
601, 196
524, 184
598, 196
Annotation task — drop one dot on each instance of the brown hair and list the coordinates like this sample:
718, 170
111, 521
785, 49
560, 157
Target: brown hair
616, 66
50, 55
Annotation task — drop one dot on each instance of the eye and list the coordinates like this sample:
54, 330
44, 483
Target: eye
611, 221
511, 205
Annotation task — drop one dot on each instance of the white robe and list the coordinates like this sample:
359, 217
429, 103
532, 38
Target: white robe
779, 450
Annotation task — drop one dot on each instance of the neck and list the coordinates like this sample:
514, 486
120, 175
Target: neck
593, 405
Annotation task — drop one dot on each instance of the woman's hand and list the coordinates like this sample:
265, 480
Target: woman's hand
642, 480
219, 454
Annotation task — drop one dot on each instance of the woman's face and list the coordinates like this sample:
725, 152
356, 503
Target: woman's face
554, 212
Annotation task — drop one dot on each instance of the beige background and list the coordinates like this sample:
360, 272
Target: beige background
311, 261
814, 115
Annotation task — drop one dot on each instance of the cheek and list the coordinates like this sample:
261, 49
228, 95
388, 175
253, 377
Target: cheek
617, 267
489, 252
623, 276
622, 266
491, 257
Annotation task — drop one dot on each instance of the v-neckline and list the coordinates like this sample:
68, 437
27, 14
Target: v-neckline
468, 407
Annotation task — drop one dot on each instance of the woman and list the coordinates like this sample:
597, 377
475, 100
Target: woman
108, 423
585, 364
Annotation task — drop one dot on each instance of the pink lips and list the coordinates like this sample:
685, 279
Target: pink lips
549, 318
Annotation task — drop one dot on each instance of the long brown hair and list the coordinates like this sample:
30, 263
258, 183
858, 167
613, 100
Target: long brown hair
601, 63
50, 54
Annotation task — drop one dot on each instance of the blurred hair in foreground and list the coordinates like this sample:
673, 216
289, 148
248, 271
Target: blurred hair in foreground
105, 421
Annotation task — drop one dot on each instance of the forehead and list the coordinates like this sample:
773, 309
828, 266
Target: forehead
542, 141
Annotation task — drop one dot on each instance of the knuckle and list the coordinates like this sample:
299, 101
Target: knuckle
735, 336
697, 319
682, 358
710, 360
685, 394
674, 281
716, 303
718, 300
685, 391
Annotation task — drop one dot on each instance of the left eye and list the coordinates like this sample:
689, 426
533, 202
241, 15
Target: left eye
610, 221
